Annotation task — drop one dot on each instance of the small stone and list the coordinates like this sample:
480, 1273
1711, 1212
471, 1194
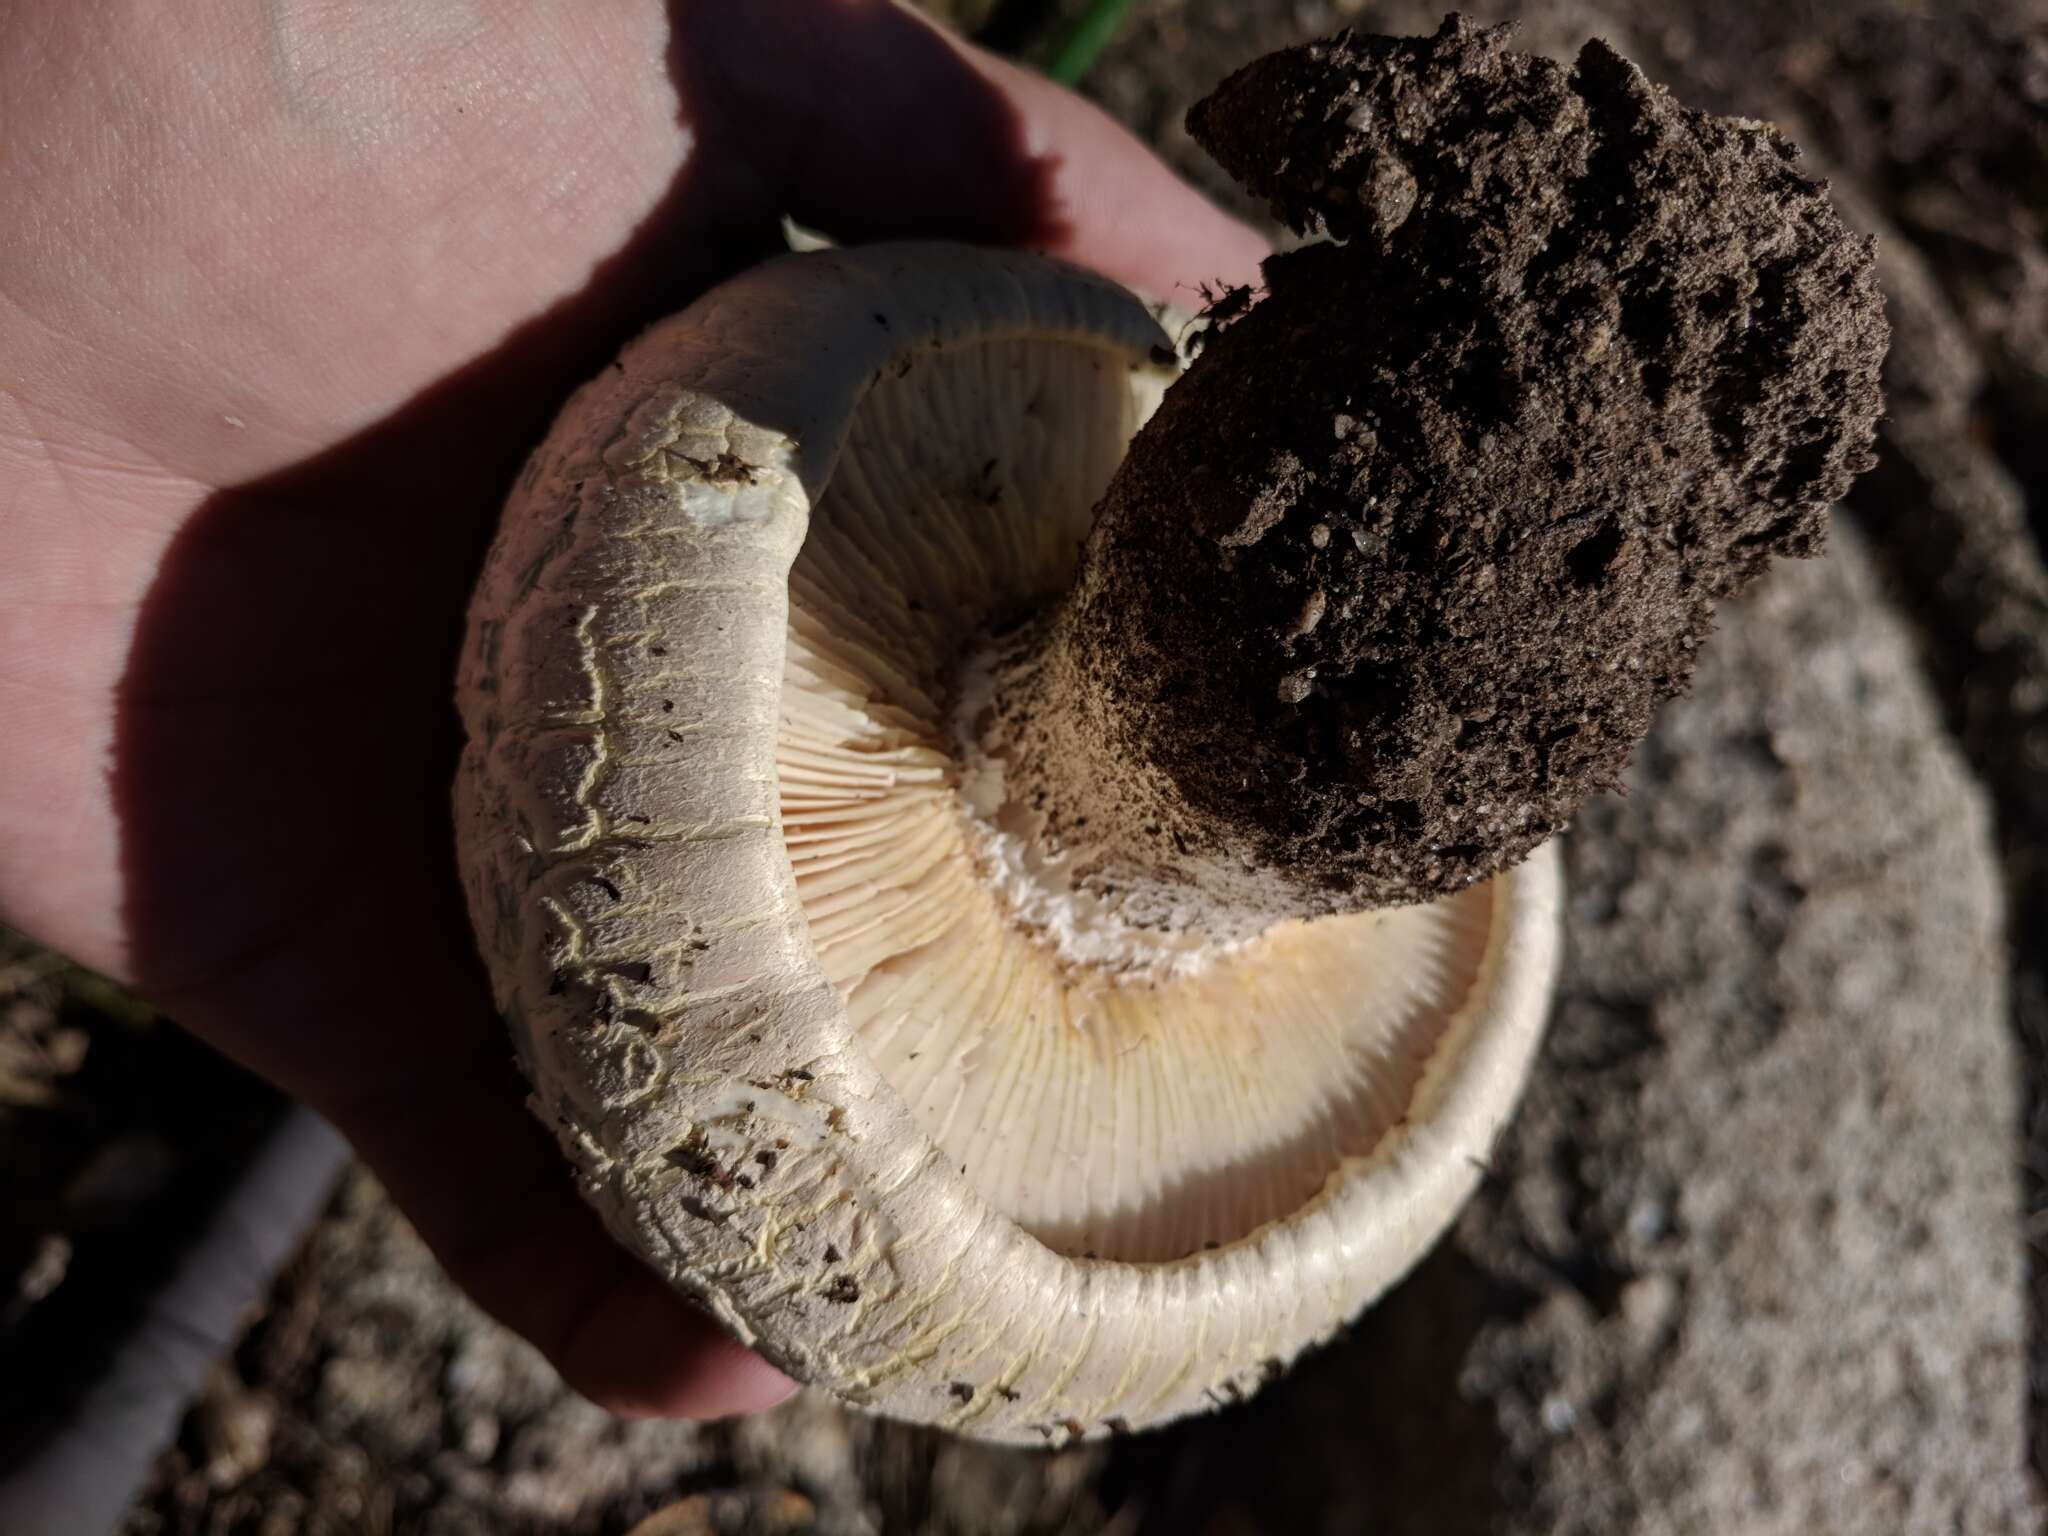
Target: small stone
1648, 1219
235, 1427
1387, 195
480, 1437
46, 1269
66, 1050
685, 1517
1649, 1303
1311, 614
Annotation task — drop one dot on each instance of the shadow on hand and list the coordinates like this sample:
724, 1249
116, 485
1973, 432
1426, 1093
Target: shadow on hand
285, 739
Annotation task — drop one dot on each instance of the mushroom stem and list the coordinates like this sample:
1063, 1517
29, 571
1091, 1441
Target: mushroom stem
1106, 854
1400, 569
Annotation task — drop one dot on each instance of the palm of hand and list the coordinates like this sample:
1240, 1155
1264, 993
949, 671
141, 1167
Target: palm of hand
347, 270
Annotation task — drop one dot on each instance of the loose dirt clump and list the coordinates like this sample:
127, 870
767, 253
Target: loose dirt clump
1404, 565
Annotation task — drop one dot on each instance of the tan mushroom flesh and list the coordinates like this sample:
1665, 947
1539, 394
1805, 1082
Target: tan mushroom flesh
832, 1044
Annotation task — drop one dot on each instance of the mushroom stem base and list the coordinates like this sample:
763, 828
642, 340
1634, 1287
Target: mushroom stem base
1091, 844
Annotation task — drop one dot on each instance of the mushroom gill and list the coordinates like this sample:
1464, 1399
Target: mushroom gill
1001, 979
1138, 1108
793, 1011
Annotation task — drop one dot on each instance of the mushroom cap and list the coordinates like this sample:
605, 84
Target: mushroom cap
810, 1059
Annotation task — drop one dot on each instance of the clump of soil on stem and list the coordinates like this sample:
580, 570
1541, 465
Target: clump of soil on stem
1400, 571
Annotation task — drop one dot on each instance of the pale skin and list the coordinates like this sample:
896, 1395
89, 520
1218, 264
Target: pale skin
286, 291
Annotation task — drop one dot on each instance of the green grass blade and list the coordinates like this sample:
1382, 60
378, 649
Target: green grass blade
1091, 34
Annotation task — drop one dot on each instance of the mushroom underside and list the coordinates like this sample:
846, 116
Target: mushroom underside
819, 1023
1120, 1098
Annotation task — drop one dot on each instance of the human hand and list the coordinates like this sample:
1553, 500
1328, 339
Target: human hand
286, 294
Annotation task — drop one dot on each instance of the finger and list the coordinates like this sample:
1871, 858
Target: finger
1120, 210
492, 1196
875, 124
626, 1350
299, 909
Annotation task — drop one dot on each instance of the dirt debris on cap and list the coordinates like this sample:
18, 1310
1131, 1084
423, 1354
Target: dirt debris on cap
1408, 560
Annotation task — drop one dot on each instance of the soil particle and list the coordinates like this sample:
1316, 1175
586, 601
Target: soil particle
1573, 364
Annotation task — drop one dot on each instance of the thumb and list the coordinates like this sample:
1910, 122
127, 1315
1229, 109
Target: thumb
872, 123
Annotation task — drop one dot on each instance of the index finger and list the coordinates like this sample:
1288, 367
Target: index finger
872, 123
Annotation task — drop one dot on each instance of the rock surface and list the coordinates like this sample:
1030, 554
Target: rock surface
1762, 1198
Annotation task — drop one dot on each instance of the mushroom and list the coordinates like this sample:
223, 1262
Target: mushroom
894, 982
829, 1046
